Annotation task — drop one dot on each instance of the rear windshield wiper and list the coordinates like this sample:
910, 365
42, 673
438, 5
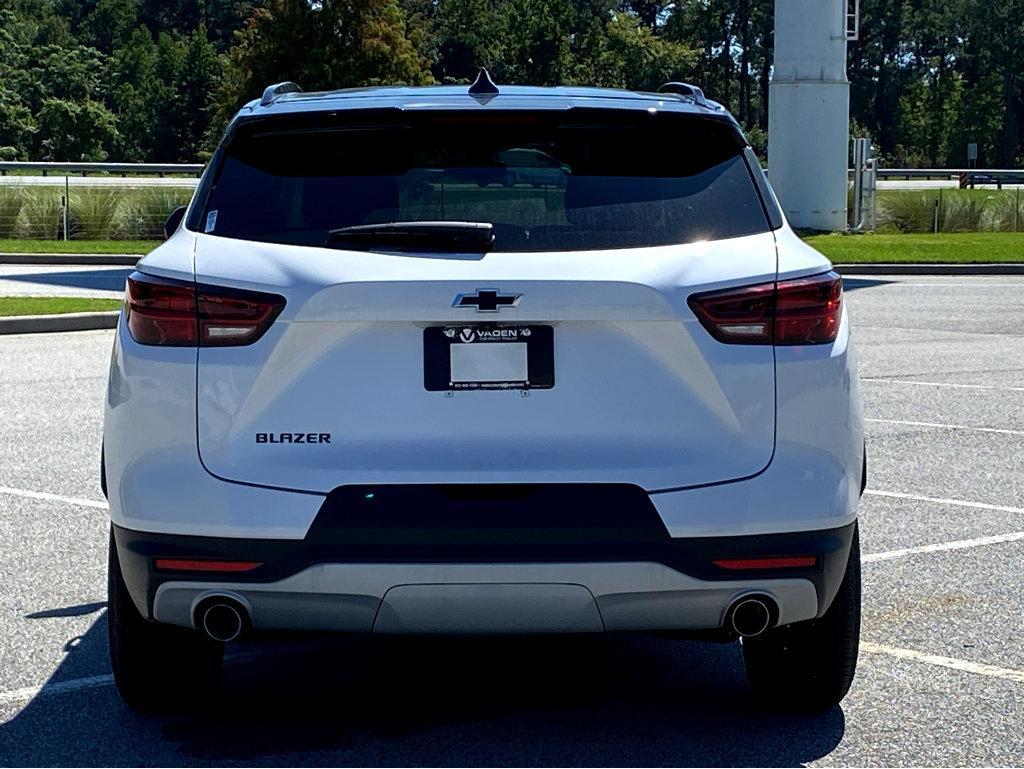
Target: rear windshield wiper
474, 237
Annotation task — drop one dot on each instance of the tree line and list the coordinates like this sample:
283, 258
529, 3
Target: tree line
145, 80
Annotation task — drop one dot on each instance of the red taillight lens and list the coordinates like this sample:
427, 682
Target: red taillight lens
166, 312
161, 311
737, 315
808, 310
235, 317
800, 311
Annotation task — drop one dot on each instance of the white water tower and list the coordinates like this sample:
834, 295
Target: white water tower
809, 111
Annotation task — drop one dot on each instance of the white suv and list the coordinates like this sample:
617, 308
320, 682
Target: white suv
484, 360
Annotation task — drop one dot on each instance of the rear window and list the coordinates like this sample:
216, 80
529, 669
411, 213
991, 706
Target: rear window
577, 180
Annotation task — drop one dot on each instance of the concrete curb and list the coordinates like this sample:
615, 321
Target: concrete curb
71, 321
107, 260
1012, 268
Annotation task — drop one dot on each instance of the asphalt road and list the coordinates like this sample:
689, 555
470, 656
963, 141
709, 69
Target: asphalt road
941, 678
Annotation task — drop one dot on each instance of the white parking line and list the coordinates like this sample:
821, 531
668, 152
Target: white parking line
964, 666
61, 687
942, 501
942, 384
95, 682
901, 284
53, 497
941, 547
996, 430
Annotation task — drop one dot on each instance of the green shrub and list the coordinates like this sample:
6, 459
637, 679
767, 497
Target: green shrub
144, 211
911, 211
41, 214
905, 211
12, 199
94, 212
961, 213
1003, 213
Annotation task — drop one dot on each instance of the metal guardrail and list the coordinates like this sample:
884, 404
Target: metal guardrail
122, 169
948, 173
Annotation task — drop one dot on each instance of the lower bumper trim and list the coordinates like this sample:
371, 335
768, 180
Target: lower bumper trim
487, 598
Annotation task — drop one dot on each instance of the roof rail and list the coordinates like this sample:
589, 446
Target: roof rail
685, 89
272, 92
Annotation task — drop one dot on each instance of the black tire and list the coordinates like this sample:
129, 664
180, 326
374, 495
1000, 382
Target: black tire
155, 666
810, 665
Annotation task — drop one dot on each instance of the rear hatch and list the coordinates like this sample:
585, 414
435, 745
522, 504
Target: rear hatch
561, 351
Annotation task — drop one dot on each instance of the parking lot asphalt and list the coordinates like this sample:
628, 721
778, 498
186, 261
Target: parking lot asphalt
941, 676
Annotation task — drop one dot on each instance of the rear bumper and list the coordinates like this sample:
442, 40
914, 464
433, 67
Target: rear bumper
504, 559
486, 598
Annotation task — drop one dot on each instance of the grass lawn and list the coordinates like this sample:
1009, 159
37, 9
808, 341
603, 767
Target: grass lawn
950, 248
54, 305
20, 246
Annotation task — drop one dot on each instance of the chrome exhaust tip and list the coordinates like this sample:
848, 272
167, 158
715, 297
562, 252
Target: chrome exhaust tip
221, 618
752, 615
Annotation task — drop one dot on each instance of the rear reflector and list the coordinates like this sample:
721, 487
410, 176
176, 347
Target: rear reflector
179, 313
182, 564
790, 312
791, 562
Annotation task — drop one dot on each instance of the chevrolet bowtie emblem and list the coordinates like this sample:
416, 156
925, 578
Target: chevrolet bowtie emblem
487, 300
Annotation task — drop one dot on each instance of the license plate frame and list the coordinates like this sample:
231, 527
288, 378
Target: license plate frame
437, 355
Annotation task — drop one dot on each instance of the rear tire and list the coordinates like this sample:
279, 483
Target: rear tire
156, 666
810, 665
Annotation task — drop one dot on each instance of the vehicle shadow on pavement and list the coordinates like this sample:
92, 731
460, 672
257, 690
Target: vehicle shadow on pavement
853, 284
397, 701
98, 280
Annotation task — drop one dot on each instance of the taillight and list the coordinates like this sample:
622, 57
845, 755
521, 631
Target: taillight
170, 312
808, 310
229, 317
789, 312
737, 315
161, 311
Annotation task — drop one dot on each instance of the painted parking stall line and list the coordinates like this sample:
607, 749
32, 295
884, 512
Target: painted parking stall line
97, 682
951, 663
28, 494
944, 501
940, 426
59, 687
942, 547
1005, 388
